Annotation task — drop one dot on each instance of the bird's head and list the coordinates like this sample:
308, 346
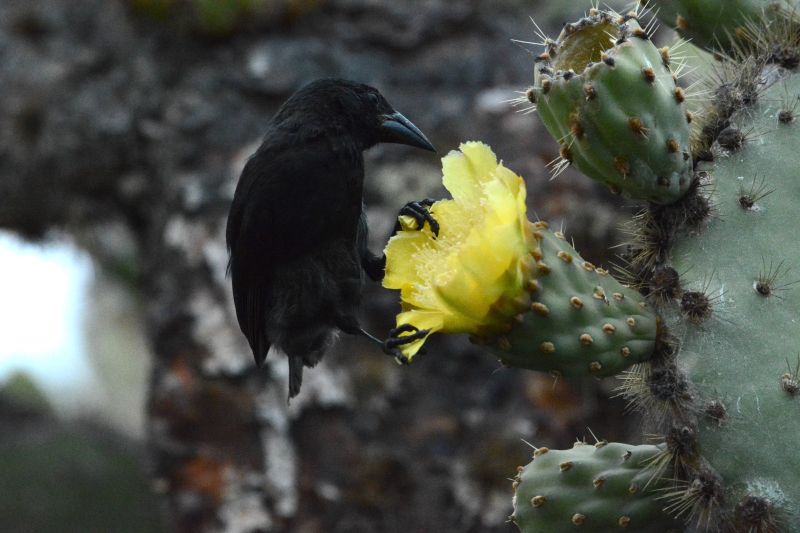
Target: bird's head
366, 113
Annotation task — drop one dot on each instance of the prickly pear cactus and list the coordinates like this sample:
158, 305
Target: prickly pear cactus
602, 486
580, 319
716, 24
741, 349
718, 262
736, 27
607, 94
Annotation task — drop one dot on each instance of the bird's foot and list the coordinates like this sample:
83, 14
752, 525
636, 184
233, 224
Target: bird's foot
391, 345
420, 213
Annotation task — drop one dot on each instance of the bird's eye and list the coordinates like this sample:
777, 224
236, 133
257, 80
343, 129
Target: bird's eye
373, 98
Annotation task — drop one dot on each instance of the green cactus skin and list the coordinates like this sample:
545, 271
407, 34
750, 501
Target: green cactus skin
616, 110
720, 267
581, 319
738, 356
599, 488
712, 24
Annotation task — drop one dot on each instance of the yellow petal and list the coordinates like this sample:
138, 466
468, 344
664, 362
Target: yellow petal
463, 296
482, 159
453, 219
401, 267
465, 170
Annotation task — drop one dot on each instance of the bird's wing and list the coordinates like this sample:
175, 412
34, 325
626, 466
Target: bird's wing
299, 197
250, 291
289, 201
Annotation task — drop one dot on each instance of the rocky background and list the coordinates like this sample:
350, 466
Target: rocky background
124, 126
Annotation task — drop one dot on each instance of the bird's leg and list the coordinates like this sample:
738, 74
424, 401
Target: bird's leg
420, 213
390, 345
351, 326
370, 336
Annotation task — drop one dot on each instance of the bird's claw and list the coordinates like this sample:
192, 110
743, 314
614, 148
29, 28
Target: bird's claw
391, 344
420, 213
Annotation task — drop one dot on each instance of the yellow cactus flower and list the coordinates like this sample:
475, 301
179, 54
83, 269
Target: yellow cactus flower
469, 279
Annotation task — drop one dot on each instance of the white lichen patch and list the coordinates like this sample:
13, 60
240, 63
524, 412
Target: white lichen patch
327, 386
227, 353
280, 470
187, 237
244, 512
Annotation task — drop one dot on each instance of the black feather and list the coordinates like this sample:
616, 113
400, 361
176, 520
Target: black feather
296, 232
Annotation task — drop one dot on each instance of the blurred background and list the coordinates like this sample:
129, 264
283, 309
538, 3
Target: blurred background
128, 397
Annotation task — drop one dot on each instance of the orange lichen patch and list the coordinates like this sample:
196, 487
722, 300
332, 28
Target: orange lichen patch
182, 371
560, 400
205, 476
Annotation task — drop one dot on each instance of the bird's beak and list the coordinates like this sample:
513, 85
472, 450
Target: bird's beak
395, 128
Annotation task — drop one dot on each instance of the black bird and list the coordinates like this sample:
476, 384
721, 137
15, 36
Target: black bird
297, 233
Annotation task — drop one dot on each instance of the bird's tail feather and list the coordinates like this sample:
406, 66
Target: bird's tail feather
304, 347
295, 375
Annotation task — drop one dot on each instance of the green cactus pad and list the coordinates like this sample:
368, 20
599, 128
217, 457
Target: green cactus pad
613, 105
747, 260
581, 322
713, 24
601, 487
